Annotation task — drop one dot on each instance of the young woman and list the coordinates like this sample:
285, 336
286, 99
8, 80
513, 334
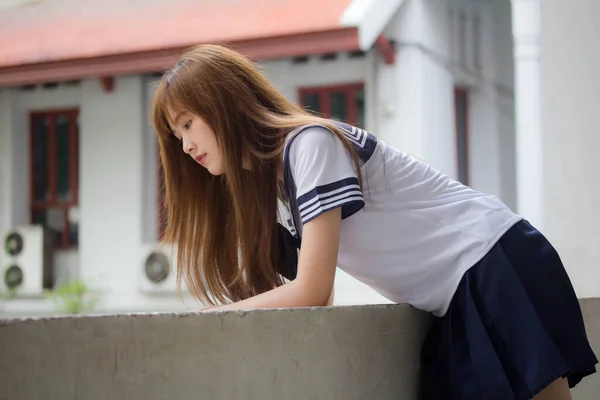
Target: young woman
507, 321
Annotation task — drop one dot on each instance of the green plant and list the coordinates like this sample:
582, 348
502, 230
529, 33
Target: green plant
74, 297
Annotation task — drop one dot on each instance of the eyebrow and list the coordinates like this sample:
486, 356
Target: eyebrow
178, 117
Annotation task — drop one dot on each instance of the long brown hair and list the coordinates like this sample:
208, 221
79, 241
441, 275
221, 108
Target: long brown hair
225, 227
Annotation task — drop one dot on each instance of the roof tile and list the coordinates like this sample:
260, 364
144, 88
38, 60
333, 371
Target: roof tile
51, 30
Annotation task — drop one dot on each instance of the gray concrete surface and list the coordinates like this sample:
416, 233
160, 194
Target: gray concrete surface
369, 352
589, 388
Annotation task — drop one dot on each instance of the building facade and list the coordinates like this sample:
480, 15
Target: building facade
433, 78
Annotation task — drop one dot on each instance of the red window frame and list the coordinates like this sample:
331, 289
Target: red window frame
325, 92
462, 94
36, 205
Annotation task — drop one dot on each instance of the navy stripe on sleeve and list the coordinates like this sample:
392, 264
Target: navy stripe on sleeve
345, 193
363, 142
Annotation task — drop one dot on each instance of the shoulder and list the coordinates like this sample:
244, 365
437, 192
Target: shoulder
316, 149
312, 138
320, 174
319, 139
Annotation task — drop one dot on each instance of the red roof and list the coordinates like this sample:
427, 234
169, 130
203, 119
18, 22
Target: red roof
52, 30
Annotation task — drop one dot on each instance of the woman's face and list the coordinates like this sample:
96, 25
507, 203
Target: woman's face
198, 141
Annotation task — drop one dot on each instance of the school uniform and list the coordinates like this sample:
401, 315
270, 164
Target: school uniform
507, 321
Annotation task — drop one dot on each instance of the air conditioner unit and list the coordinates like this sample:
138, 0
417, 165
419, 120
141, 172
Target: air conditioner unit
26, 260
157, 271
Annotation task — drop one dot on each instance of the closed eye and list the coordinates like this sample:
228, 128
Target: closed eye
187, 125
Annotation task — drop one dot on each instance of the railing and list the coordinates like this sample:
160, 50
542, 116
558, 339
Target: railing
369, 352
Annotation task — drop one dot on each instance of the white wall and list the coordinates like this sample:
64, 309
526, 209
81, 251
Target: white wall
570, 62
149, 228
419, 87
492, 118
111, 156
110, 182
503, 67
114, 197
433, 57
26, 101
15, 107
6, 170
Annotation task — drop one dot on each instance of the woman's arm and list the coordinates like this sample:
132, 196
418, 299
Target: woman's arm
313, 285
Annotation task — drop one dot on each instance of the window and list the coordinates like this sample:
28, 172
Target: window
54, 174
461, 112
343, 102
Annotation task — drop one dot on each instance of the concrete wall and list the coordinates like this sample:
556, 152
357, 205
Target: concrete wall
345, 353
569, 90
341, 353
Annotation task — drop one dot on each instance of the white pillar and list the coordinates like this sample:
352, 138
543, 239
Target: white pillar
570, 104
6, 155
111, 133
529, 144
416, 94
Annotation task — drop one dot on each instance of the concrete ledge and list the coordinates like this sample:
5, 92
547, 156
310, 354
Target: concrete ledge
369, 352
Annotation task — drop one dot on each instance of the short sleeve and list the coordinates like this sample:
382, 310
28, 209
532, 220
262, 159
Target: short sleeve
324, 174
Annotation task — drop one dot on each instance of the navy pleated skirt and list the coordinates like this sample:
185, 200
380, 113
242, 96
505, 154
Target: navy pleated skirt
513, 327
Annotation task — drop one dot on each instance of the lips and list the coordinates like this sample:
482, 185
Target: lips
200, 158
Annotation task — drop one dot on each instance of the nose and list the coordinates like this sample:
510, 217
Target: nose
188, 146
